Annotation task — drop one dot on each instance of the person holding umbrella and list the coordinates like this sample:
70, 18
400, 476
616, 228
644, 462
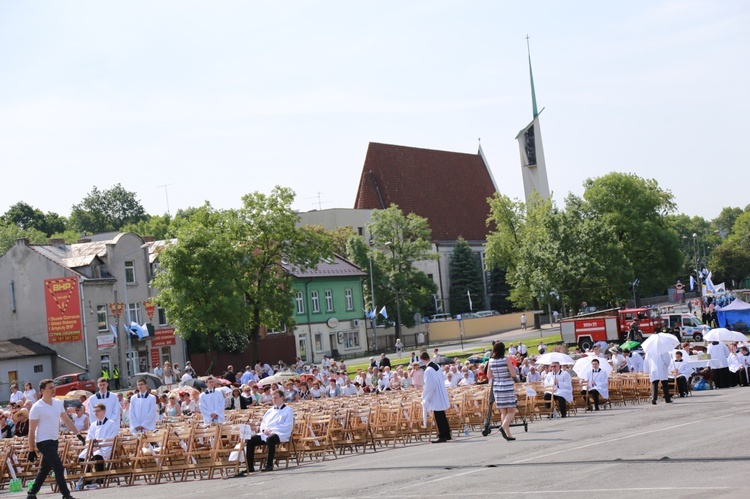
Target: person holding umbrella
657, 366
561, 388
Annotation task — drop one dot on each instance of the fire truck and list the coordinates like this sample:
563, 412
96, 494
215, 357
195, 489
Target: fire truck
610, 325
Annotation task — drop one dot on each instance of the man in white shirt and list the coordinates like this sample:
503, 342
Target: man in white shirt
560, 387
109, 399
16, 396
101, 431
44, 431
142, 409
522, 349
212, 403
348, 389
276, 427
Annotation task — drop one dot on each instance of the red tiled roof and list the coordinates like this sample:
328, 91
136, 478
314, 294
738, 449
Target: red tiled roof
450, 189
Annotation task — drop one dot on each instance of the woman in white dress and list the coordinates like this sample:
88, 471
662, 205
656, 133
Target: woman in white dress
81, 419
30, 393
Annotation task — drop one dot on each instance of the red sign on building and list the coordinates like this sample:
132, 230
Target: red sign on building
163, 337
63, 309
155, 359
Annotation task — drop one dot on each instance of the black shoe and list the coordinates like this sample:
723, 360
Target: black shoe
669, 401
67, 497
267, 468
502, 431
251, 469
449, 437
510, 439
596, 408
439, 441
653, 402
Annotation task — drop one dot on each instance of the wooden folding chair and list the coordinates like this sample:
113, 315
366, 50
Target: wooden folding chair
317, 438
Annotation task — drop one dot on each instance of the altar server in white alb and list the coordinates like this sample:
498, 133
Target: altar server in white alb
212, 403
558, 386
657, 367
142, 409
109, 399
101, 431
435, 397
680, 370
597, 385
276, 427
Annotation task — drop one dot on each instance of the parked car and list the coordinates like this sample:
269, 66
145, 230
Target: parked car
77, 381
486, 313
440, 317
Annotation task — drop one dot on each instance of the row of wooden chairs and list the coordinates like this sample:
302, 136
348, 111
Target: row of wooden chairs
183, 448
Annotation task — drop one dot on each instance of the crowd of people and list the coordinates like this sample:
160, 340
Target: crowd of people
32, 414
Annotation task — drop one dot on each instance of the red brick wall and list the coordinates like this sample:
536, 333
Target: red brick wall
271, 349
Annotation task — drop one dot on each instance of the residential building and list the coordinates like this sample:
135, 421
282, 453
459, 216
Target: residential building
79, 299
328, 310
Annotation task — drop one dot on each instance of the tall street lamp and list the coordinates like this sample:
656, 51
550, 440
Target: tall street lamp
391, 246
374, 308
127, 305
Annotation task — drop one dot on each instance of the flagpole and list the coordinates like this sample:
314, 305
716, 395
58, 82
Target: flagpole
374, 308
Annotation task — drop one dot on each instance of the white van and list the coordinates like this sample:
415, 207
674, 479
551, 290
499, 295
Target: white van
690, 326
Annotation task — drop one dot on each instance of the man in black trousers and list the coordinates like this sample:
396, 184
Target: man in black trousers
435, 397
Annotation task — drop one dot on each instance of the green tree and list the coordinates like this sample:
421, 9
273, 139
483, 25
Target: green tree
465, 275
636, 209
224, 274
339, 237
157, 226
105, 211
724, 223
402, 241
10, 232
548, 253
25, 216
730, 262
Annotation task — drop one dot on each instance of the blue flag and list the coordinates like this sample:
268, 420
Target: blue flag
114, 330
384, 312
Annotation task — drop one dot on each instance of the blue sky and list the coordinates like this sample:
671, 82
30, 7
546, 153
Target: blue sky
223, 98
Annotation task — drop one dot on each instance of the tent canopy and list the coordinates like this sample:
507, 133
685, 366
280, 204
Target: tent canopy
736, 312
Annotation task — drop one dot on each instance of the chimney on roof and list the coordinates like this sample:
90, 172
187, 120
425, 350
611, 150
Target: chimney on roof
84, 240
56, 240
22, 241
148, 239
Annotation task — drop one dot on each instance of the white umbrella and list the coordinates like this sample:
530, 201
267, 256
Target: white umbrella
724, 334
660, 343
279, 378
582, 366
548, 358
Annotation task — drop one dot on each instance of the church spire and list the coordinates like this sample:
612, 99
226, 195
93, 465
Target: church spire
531, 76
